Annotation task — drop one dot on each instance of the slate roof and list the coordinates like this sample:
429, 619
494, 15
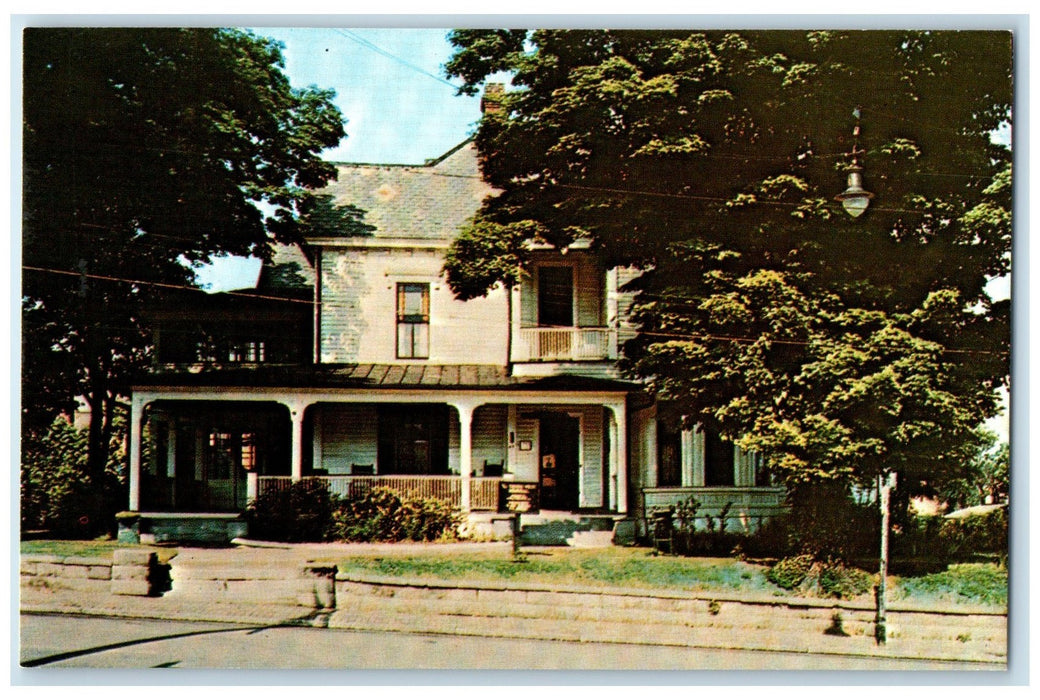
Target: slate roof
382, 376
414, 201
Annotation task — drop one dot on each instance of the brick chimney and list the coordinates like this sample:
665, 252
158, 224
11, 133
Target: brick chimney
491, 100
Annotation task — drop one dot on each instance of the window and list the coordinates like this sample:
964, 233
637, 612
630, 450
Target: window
555, 296
669, 455
246, 351
718, 461
413, 320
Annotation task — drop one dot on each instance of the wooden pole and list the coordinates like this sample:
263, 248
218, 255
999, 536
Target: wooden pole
885, 484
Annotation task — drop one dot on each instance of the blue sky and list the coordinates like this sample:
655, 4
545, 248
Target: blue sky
390, 86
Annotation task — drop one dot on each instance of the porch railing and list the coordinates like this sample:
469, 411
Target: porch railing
483, 490
565, 344
749, 506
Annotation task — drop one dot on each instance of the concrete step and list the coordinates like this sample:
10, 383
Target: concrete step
591, 539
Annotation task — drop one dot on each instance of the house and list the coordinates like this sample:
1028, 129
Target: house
353, 362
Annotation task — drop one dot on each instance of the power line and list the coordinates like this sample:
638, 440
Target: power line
383, 52
162, 285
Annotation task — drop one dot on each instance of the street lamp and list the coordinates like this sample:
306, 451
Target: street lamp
855, 199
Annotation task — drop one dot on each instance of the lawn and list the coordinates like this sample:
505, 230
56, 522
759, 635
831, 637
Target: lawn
625, 567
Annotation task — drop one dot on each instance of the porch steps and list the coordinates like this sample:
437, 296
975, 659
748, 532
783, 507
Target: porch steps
685, 620
560, 529
591, 538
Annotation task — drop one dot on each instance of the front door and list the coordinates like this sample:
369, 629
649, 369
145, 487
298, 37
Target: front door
558, 439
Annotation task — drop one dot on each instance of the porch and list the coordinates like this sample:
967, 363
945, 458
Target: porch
212, 449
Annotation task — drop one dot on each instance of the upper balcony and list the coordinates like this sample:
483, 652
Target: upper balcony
564, 316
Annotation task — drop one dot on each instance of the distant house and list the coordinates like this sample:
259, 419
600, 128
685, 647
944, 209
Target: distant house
354, 363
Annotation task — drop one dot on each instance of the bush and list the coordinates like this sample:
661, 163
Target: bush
57, 492
826, 523
711, 540
789, 573
836, 580
976, 534
382, 515
301, 513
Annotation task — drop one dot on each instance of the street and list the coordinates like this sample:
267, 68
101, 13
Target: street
65, 641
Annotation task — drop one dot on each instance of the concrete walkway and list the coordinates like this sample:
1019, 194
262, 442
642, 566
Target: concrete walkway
268, 585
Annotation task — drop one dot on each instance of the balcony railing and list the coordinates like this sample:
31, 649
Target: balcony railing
551, 344
483, 490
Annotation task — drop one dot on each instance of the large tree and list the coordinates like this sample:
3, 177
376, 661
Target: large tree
840, 347
144, 150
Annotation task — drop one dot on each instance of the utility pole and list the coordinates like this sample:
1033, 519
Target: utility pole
886, 482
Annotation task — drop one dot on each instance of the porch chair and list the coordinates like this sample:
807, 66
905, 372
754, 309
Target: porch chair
362, 469
492, 469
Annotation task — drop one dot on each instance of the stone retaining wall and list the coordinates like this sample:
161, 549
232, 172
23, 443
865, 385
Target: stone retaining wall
126, 572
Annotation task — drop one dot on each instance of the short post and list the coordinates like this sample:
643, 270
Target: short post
516, 536
886, 482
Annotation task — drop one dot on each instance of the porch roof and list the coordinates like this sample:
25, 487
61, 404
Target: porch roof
380, 376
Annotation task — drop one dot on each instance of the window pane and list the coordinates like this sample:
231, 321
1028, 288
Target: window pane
555, 296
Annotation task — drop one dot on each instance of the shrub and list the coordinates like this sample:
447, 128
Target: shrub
712, 540
57, 492
825, 522
382, 515
303, 512
976, 534
836, 580
790, 572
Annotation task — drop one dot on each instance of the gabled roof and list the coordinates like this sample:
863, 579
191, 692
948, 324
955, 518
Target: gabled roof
414, 201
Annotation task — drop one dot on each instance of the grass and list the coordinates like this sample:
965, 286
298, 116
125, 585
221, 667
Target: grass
979, 584
85, 548
620, 567
626, 567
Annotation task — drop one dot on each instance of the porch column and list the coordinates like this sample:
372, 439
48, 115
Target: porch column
137, 406
465, 451
296, 411
612, 312
619, 467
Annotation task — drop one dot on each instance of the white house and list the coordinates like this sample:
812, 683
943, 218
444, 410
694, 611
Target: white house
355, 363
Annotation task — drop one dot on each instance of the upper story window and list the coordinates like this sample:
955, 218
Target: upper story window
555, 296
413, 320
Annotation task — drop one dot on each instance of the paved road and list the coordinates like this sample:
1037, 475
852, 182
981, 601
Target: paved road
64, 641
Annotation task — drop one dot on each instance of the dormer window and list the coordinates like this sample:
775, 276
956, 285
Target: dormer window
413, 320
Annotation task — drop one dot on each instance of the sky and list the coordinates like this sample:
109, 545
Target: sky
390, 86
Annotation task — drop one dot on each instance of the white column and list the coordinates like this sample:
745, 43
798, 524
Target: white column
612, 460
136, 418
686, 442
171, 448
619, 471
465, 451
698, 456
252, 486
612, 312
296, 411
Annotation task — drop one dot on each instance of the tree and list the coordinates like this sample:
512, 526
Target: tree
840, 348
982, 476
146, 150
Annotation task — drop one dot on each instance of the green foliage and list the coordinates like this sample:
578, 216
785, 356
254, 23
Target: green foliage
383, 515
976, 534
837, 580
838, 348
58, 493
825, 523
982, 475
145, 148
980, 584
790, 572
303, 512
